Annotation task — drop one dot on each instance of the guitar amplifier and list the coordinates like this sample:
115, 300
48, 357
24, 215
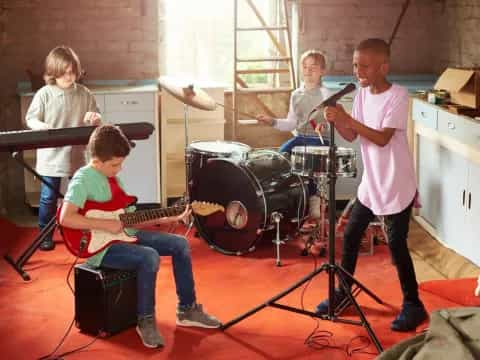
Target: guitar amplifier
105, 300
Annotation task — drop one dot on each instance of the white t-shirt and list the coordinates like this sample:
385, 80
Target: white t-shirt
388, 183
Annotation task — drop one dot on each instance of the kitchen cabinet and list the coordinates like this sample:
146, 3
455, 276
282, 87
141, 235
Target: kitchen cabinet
118, 102
202, 125
447, 163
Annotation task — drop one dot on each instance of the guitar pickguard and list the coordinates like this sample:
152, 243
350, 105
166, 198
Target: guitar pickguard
99, 238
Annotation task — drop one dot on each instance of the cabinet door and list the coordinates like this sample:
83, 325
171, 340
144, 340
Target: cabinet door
425, 113
100, 100
471, 244
452, 196
140, 172
429, 182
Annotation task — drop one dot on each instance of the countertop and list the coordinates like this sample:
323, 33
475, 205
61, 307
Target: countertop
103, 86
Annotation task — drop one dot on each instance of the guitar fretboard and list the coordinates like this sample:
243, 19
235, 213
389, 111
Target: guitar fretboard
138, 217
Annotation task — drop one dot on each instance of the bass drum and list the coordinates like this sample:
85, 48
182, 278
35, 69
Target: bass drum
251, 191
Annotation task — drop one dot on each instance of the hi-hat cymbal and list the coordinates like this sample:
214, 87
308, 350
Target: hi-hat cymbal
187, 93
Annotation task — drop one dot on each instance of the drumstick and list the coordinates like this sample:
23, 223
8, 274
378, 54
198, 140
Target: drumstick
242, 113
317, 130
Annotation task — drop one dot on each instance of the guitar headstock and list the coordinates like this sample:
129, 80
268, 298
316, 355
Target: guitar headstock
204, 208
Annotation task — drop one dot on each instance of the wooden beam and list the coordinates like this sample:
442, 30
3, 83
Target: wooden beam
274, 39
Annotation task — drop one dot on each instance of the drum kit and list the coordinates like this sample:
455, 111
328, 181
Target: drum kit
261, 190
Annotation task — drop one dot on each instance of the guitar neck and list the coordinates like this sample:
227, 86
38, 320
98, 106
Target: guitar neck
138, 217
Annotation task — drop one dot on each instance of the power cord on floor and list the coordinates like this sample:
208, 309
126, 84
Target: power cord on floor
321, 339
52, 355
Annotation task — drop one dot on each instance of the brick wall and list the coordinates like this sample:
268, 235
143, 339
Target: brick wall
458, 27
122, 39
336, 26
115, 39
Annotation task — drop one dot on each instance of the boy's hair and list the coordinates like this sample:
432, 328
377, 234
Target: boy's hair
57, 62
378, 46
108, 141
316, 55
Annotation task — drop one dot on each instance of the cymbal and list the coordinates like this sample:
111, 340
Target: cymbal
187, 93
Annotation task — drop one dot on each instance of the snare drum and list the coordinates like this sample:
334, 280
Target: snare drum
312, 161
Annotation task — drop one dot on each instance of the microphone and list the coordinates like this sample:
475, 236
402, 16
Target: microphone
332, 100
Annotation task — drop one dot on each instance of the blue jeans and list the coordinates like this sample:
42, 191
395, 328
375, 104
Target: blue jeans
48, 202
144, 258
288, 145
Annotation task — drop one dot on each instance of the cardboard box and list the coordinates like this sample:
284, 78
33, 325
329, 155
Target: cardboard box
463, 86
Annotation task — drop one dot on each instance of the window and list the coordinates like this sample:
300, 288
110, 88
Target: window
199, 37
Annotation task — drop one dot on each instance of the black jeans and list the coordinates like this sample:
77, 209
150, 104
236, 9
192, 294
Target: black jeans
397, 232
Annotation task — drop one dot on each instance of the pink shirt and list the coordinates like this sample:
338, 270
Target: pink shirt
388, 183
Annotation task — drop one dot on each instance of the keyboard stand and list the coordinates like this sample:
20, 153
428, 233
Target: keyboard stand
51, 225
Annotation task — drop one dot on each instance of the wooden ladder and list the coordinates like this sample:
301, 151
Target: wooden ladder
241, 89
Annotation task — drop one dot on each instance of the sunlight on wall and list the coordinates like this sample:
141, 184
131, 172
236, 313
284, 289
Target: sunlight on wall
200, 38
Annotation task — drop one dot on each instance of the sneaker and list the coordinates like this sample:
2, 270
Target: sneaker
410, 317
195, 316
147, 330
341, 302
47, 245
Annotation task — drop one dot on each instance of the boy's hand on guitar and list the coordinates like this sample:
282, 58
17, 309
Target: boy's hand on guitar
171, 219
185, 215
113, 226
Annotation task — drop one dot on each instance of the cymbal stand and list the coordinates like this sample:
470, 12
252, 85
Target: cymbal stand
276, 217
187, 167
331, 268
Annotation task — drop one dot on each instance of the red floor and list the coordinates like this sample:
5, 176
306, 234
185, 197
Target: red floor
36, 314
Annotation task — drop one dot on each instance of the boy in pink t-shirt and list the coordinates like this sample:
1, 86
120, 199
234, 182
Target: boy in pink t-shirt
388, 186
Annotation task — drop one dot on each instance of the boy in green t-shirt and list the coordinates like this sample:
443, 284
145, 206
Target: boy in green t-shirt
97, 181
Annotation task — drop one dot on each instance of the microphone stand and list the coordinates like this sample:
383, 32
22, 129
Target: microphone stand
331, 268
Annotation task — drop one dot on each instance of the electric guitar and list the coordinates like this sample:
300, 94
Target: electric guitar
86, 243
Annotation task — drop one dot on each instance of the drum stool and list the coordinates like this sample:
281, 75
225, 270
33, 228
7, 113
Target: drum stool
374, 232
316, 226
105, 300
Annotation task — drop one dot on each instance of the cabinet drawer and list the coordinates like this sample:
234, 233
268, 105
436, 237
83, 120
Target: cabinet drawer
129, 102
451, 125
424, 113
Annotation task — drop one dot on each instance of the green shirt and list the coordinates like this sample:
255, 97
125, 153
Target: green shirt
89, 184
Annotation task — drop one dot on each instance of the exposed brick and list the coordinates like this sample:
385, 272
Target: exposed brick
121, 39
